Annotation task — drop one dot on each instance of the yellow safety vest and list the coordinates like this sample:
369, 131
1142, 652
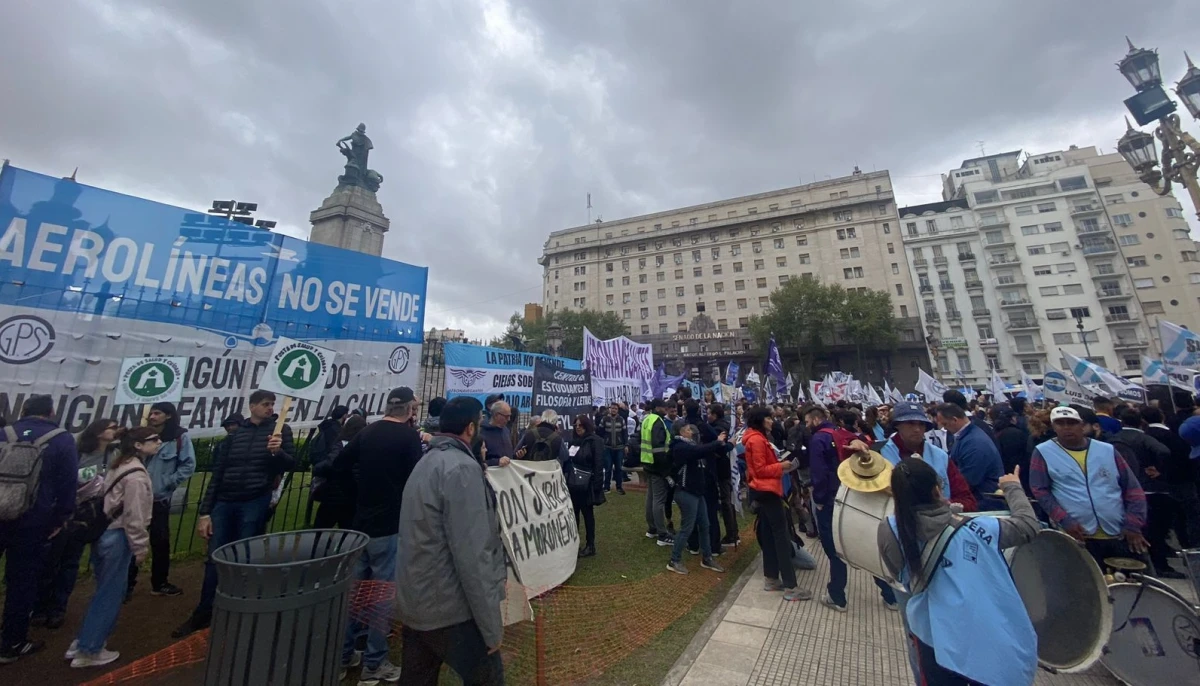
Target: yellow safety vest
649, 452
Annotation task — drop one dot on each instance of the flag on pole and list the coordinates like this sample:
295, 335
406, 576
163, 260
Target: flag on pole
814, 391
775, 365
752, 378
997, 386
1180, 347
873, 399
790, 385
929, 387
1155, 372
1090, 374
1032, 390
731, 373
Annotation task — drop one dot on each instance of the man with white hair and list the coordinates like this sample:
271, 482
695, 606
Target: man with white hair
543, 441
495, 436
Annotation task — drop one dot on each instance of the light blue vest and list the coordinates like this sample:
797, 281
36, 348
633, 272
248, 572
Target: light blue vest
971, 613
934, 456
1094, 500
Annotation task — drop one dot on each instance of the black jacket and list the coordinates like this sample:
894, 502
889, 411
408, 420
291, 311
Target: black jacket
1013, 442
1141, 452
336, 488
1177, 469
691, 464
325, 441
245, 469
613, 430
590, 457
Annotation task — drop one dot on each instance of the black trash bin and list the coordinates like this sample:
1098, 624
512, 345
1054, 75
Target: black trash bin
280, 612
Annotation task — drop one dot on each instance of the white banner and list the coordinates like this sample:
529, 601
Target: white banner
621, 368
150, 380
1063, 388
537, 522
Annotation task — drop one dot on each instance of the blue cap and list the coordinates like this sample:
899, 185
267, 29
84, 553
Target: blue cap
1190, 431
910, 412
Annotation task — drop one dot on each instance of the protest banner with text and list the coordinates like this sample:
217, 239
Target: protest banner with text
568, 392
537, 523
622, 369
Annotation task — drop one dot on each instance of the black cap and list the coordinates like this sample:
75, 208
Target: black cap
235, 418
403, 394
339, 412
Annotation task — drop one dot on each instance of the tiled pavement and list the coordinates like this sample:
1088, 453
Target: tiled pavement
763, 641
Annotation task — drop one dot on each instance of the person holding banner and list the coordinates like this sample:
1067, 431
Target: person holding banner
451, 584
238, 497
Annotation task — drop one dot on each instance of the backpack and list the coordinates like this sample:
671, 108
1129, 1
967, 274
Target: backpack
542, 448
20, 471
90, 521
841, 441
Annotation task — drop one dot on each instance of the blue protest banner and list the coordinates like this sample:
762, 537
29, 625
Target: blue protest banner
479, 371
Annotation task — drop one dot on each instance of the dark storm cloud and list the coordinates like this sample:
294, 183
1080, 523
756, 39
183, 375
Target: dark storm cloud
492, 121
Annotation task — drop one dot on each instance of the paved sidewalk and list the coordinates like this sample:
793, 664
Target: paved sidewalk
762, 641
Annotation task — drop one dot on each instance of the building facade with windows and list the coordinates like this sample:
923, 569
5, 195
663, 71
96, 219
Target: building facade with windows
713, 266
1054, 266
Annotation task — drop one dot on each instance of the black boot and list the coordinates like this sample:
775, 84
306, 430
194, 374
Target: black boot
587, 551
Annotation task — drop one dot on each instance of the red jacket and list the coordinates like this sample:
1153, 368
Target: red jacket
763, 471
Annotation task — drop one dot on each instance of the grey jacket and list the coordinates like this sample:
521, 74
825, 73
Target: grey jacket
449, 539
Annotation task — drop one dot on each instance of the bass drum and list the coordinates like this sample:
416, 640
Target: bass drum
856, 518
1155, 635
1066, 598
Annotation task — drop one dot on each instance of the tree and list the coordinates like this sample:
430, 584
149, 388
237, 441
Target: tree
603, 325
806, 316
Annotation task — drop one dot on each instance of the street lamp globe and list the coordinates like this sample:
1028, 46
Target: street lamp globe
1140, 67
1137, 147
1188, 88
554, 338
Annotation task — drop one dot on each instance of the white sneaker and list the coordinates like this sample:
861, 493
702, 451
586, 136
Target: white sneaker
386, 672
98, 659
72, 651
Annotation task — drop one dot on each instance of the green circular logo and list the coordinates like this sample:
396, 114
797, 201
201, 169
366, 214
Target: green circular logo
299, 369
151, 379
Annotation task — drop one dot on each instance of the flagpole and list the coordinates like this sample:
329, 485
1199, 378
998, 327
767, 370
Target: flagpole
1162, 355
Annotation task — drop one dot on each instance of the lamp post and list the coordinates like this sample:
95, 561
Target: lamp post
1083, 335
240, 212
1180, 157
554, 339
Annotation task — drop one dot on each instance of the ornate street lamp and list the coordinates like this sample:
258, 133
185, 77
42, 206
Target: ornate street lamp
554, 339
1180, 159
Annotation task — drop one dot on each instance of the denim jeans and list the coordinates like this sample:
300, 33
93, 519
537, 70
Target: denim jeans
692, 514
837, 568
110, 565
614, 467
371, 612
231, 521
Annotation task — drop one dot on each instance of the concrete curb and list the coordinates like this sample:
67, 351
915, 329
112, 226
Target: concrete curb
680, 669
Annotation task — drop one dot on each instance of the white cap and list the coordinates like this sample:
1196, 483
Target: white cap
1064, 413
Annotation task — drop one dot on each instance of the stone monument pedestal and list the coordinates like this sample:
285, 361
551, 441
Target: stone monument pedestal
350, 218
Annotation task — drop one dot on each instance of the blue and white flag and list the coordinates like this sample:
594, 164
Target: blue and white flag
929, 387
1180, 346
1155, 372
731, 374
791, 386
1033, 391
997, 386
752, 379
1090, 374
775, 365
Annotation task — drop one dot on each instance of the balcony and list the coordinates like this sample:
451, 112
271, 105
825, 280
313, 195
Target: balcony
998, 242
980, 312
1099, 249
1129, 344
974, 284
953, 315
941, 259
946, 287
1001, 260
1019, 302
966, 257
1113, 294
933, 317
920, 264
1014, 280
993, 223
989, 342
1031, 350
1084, 210
1090, 230
926, 288
1022, 324
1117, 318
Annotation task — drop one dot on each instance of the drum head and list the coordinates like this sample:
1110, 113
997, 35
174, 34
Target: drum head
1067, 600
1155, 636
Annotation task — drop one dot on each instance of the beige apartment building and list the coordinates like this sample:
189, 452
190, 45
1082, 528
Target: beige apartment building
688, 280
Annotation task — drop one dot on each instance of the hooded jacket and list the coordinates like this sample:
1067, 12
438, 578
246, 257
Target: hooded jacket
692, 464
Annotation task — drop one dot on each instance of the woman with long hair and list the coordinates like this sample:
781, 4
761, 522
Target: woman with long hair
96, 446
128, 498
1000, 649
764, 474
586, 450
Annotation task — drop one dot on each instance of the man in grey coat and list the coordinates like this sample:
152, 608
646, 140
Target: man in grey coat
451, 582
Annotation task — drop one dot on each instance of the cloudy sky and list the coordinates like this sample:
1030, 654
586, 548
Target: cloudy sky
493, 119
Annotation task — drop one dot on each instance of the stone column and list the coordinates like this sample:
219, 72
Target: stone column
350, 218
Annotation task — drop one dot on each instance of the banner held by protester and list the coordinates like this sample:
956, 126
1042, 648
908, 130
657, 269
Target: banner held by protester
568, 392
537, 523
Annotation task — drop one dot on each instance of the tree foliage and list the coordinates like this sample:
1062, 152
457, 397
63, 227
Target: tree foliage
533, 334
807, 316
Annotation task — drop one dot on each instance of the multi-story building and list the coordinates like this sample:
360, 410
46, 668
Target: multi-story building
1051, 275
688, 280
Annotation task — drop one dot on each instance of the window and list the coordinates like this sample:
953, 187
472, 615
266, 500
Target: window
678, 257
720, 306
931, 226
895, 268
719, 287
1056, 313
641, 263
1187, 255
1031, 366
644, 313
658, 260
679, 273
1143, 283
1078, 312
1037, 250
735, 250
1178, 234
1064, 338
1194, 277
718, 270
1129, 239
852, 272
737, 267
624, 280
778, 243
643, 296
985, 330
739, 285
741, 303
1122, 219
681, 309
887, 228
1073, 183
661, 293
1055, 227
764, 301
695, 256
716, 253
899, 289
608, 283
904, 313
1072, 289
1136, 261
1024, 210
761, 282
662, 310
843, 234
1152, 306
805, 259
1029, 230
780, 261
1048, 290
626, 298
662, 328
956, 222
1174, 212
801, 241
843, 216
697, 271
986, 196
1046, 207
645, 329
759, 265
1116, 199
937, 251
661, 276
1042, 270
1064, 267
679, 291
783, 279
756, 246
912, 228
641, 278
695, 238
608, 299
891, 248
